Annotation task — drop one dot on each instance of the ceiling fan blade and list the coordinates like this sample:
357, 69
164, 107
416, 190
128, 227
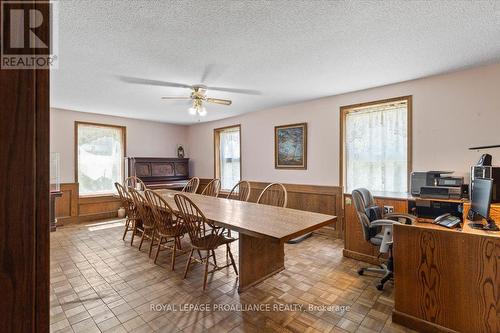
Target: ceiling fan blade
206, 71
176, 97
219, 101
137, 80
237, 91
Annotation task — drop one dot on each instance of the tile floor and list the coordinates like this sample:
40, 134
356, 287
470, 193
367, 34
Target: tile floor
100, 283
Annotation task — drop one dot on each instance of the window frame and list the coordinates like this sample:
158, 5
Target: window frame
217, 132
344, 110
124, 152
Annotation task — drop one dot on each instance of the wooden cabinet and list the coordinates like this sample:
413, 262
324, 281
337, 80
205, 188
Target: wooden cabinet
446, 280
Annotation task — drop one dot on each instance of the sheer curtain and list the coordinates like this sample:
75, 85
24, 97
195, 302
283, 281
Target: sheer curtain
229, 158
376, 148
100, 158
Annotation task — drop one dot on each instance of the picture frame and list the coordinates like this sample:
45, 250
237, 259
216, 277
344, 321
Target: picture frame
290, 146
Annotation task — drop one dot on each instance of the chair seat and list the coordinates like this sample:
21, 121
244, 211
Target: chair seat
211, 241
174, 231
377, 239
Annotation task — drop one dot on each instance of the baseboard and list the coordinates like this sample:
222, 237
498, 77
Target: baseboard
97, 216
361, 257
66, 220
329, 232
418, 324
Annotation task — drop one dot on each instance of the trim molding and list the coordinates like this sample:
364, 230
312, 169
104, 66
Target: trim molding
418, 324
361, 257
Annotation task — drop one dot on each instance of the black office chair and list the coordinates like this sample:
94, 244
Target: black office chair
377, 229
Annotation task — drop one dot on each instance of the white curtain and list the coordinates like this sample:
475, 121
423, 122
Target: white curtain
376, 148
229, 158
100, 158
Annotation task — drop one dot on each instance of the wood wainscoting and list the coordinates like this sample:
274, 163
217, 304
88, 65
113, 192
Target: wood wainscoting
312, 198
71, 208
96, 208
67, 204
356, 246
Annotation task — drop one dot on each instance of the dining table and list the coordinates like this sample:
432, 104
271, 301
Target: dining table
262, 231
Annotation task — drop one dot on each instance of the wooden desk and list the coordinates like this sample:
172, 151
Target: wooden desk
446, 280
356, 246
262, 229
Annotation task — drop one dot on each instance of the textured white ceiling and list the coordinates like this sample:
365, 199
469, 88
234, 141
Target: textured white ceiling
289, 50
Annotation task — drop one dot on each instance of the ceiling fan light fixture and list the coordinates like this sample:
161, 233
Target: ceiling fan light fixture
192, 111
202, 111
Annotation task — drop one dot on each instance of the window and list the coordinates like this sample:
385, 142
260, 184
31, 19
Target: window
100, 157
227, 156
376, 145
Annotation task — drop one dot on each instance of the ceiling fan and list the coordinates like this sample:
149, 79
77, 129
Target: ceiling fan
198, 93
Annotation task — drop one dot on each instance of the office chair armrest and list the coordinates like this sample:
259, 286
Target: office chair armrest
383, 223
408, 217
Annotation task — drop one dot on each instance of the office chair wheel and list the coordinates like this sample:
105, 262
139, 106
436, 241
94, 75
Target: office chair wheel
361, 271
380, 286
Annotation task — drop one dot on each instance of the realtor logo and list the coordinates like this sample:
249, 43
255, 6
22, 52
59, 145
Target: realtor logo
27, 35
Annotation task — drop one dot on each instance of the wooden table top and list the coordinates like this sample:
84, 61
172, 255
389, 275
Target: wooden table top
426, 224
255, 219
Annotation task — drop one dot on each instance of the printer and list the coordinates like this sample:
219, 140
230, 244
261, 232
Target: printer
438, 185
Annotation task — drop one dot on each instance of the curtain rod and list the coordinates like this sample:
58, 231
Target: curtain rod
484, 147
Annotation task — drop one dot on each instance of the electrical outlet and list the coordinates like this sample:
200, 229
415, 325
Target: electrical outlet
388, 209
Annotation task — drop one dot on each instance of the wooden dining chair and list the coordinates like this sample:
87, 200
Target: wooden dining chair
130, 211
274, 195
240, 191
192, 185
146, 215
204, 236
134, 182
212, 189
168, 227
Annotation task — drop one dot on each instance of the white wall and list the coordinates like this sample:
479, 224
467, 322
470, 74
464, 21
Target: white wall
451, 113
144, 138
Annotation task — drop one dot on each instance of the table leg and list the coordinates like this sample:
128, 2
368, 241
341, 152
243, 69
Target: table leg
259, 258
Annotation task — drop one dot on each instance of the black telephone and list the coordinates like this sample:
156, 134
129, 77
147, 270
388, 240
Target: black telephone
447, 220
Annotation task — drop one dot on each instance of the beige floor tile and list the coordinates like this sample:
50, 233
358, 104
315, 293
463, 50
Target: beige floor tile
101, 283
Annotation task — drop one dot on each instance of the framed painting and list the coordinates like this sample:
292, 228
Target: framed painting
290, 146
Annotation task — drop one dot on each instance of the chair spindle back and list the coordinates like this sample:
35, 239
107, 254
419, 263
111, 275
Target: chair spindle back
135, 183
164, 216
212, 189
196, 224
143, 208
274, 194
192, 185
240, 191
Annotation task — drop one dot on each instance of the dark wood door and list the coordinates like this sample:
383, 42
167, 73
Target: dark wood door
24, 197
